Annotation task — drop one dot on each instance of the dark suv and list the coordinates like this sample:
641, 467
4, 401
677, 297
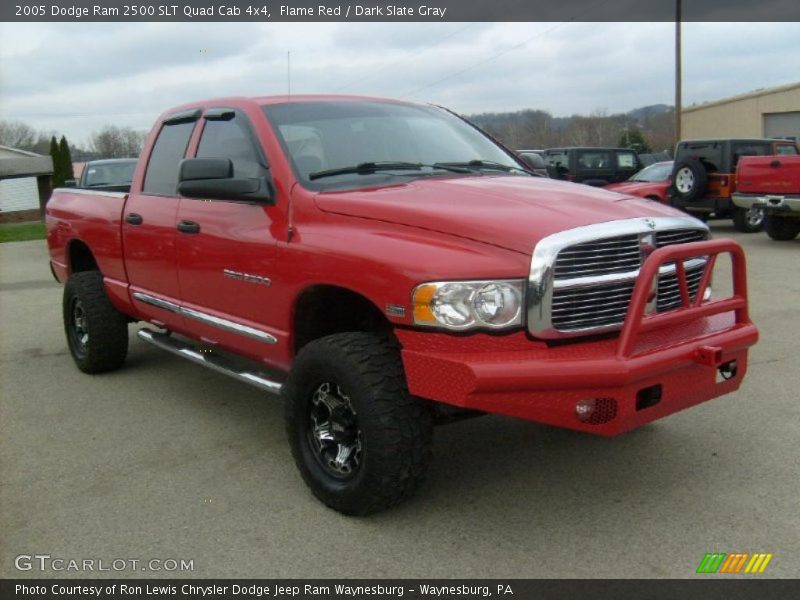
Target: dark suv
592, 166
704, 177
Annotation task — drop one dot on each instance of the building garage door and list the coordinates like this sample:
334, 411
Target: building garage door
18, 193
782, 125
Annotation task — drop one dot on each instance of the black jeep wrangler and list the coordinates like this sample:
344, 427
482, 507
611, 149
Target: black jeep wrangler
592, 166
704, 177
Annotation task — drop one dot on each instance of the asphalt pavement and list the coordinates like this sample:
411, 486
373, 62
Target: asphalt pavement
166, 460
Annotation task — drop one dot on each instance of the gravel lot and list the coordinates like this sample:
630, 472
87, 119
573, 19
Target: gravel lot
166, 460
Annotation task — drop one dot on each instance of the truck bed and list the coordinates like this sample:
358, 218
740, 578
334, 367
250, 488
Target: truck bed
76, 214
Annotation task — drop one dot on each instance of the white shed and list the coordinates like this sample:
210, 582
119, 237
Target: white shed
24, 184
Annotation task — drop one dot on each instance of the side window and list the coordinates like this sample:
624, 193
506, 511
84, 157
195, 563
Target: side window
626, 160
789, 149
161, 177
594, 160
557, 159
740, 150
230, 138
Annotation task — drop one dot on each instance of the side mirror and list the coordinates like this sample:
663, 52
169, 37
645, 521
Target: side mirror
212, 179
70, 183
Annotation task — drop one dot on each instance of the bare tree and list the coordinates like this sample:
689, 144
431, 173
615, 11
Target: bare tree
16, 134
659, 131
117, 142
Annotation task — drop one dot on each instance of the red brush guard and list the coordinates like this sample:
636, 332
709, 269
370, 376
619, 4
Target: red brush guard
660, 363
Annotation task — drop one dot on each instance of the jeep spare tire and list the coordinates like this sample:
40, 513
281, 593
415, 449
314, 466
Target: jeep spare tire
689, 179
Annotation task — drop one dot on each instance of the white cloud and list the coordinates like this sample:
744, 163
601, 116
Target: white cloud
75, 77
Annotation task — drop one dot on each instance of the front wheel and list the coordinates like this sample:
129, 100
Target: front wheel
748, 220
361, 442
97, 334
781, 229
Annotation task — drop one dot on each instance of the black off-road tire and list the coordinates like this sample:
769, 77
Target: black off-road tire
781, 229
105, 328
689, 189
396, 428
746, 220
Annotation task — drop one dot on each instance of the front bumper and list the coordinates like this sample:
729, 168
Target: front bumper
772, 203
659, 364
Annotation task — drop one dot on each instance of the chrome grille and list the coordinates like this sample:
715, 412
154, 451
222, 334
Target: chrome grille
669, 293
680, 236
582, 280
615, 255
589, 307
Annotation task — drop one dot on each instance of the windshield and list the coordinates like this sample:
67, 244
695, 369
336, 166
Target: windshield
321, 137
654, 173
109, 174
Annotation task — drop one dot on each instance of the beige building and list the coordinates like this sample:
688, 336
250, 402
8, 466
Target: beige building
771, 113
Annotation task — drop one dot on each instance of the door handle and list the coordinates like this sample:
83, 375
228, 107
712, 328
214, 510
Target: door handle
775, 164
134, 219
188, 227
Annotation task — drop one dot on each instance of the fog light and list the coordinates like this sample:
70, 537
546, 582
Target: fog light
585, 409
596, 411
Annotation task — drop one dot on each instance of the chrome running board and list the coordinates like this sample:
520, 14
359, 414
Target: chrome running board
215, 362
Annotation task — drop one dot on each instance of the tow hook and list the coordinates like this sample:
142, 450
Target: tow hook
728, 370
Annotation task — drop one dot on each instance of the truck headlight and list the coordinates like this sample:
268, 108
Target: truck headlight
463, 305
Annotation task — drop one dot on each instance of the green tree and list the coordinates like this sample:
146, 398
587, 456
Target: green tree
58, 171
66, 158
632, 138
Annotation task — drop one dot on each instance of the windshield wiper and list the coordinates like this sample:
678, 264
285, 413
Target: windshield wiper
366, 168
490, 164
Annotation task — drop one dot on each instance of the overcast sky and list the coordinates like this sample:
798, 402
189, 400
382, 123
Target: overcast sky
75, 77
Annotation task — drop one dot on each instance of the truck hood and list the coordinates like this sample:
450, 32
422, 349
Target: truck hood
512, 212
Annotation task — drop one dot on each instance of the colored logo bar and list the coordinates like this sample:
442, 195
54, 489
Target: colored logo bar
734, 562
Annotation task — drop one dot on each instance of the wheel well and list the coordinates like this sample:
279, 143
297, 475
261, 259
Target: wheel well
81, 258
324, 310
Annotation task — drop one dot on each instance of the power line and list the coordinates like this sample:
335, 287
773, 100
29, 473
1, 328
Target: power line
485, 61
386, 65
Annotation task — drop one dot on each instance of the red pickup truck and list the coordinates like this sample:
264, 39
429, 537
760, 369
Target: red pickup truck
773, 184
385, 266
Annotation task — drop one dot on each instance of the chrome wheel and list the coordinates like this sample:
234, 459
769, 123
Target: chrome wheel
754, 217
684, 180
333, 432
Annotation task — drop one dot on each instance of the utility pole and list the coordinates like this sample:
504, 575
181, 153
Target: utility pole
678, 71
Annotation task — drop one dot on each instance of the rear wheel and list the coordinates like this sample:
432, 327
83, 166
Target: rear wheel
97, 333
361, 442
748, 220
780, 228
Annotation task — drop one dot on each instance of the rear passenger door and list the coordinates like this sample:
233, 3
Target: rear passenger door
148, 227
226, 249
